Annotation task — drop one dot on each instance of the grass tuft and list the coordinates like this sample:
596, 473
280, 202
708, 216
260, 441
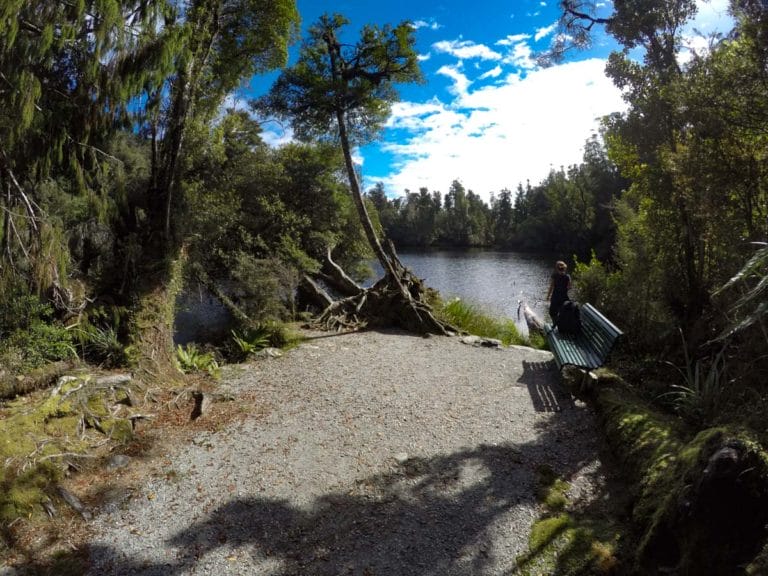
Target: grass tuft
473, 319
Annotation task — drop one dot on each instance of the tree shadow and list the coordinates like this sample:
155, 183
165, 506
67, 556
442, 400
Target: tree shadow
445, 514
545, 386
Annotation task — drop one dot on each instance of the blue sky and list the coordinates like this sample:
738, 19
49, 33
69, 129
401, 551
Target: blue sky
487, 115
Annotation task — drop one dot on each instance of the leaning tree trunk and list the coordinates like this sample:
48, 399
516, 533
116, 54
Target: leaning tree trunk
399, 298
357, 196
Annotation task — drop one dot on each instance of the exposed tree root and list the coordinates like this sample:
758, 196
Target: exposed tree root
399, 301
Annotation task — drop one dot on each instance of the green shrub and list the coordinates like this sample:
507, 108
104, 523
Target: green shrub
102, 346
471, 318
37, 345
699, 398
191, 359
98, 336
249, 340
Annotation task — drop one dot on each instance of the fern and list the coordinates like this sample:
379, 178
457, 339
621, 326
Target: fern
190, 359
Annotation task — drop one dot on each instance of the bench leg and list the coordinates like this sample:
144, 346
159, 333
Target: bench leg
588, 382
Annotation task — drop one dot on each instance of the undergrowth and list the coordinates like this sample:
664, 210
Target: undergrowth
566, 541
41, 434
677, 523
471, 318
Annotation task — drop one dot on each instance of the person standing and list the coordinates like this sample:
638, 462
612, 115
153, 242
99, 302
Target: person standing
559, 284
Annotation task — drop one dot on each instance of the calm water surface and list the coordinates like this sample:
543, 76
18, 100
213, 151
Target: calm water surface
494, 281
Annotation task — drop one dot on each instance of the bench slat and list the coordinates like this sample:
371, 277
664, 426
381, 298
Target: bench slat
591, 348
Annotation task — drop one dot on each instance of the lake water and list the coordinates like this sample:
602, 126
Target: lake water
494, 281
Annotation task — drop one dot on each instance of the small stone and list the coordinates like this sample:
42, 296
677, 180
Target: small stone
118, 461
401, 457
202, 403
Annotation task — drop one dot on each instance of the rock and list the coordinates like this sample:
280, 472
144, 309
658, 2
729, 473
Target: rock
478, 341
202, 403
118, 461
401, 457
74, 502
269, 353
113, 379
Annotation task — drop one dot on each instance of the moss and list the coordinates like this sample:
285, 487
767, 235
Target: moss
35, 429
551, 490
666, 462
150, 350
23, 495
118, 429
556, 499
567, 543
545, 531
565, 546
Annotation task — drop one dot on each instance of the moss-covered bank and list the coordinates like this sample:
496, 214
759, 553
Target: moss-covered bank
700, 500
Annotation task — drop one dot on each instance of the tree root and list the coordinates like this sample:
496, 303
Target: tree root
383, 305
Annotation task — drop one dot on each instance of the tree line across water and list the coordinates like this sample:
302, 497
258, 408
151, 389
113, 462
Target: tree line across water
123, 176
569, 212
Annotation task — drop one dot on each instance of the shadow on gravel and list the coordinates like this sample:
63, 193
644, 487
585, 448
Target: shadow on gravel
542, 379
453, 514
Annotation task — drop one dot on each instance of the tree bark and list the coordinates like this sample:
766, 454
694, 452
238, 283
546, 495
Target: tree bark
335, 277
314, 294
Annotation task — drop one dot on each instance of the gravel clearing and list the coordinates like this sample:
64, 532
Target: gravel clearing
374, 453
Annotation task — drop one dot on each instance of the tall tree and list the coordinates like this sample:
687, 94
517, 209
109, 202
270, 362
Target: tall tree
647, 140
73, 74
223, 42
344, 92
68, 75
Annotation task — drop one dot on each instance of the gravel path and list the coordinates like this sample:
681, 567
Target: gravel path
377, 453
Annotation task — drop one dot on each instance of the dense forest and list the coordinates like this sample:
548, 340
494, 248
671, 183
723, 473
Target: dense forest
124, 177
570, 212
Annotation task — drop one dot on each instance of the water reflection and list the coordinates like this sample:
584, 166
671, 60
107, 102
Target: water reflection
496, 281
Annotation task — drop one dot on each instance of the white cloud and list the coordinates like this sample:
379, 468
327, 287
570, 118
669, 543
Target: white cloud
465, 49
460, 82
499, 136
521, 56
712, 18
494, 73
417, 24
275, 135
544, 32
513, 39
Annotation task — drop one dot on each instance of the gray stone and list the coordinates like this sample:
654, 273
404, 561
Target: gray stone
118, 461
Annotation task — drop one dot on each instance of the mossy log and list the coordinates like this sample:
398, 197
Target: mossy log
701, 502
39, 379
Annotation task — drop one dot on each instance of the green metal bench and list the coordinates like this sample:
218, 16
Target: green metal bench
590, 348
